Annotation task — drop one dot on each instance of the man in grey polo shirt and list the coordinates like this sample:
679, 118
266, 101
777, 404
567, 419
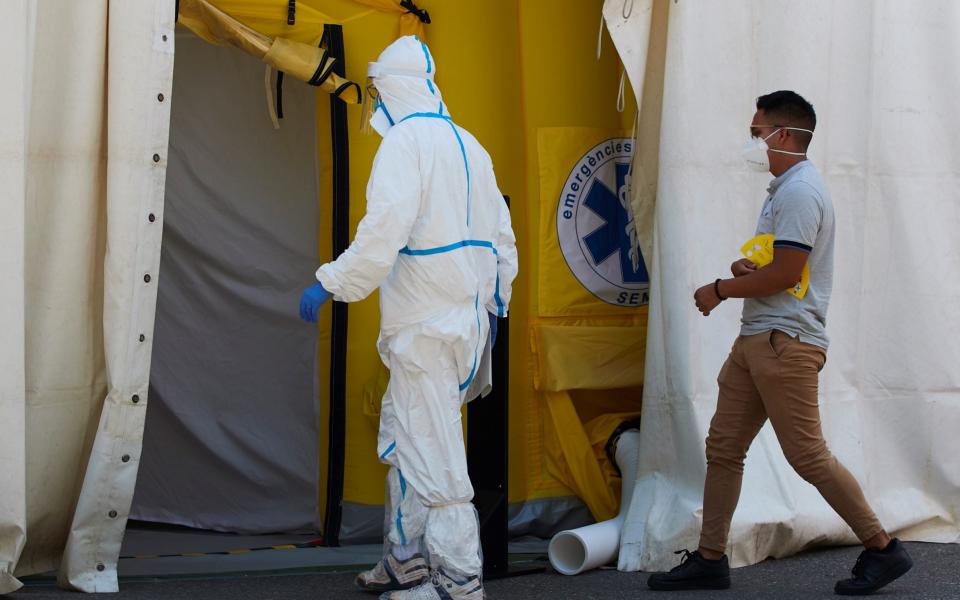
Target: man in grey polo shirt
772, 371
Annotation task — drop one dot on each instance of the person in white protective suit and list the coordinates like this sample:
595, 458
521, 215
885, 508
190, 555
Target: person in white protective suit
437, 241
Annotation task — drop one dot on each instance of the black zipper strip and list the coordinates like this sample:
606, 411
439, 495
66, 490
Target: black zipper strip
333, 35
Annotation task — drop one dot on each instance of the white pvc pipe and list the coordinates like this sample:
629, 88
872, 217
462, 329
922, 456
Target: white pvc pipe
577, 550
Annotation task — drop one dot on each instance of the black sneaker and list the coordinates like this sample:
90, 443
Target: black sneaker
875, 569
693, 573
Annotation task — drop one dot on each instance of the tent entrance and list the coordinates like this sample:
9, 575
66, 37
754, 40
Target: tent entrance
232, 437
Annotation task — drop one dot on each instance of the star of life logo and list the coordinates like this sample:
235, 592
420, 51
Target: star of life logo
596, 229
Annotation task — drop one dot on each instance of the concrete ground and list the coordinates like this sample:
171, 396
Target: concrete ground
809, 576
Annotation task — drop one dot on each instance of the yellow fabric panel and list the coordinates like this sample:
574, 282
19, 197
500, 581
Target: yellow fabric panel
589, 353
577, 108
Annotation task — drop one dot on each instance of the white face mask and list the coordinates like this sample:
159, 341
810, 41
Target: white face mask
755, 151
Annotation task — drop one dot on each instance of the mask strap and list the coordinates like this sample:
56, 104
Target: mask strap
785, 151
386, 112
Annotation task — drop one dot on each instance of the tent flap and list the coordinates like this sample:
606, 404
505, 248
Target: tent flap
137, 127
232, 418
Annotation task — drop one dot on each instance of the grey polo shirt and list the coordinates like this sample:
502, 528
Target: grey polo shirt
799, 214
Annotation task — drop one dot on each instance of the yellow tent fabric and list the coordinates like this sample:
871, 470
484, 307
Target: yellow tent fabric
410, 24
591, 353
590, 330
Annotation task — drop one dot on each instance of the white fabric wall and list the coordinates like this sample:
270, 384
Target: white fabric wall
79, 181
881, 76
232, 438
15, 102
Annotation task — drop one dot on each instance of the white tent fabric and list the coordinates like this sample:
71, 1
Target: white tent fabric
633, 29
880, 76
232, 429
15, 100
85, 157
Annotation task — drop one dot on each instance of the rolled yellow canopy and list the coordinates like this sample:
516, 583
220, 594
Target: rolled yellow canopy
304, 61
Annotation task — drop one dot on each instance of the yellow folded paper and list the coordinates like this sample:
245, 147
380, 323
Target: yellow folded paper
759, 251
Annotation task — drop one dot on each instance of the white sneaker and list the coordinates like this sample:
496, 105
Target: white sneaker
394, 574
441, 587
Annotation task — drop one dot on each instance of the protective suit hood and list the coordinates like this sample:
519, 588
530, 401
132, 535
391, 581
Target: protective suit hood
403, 76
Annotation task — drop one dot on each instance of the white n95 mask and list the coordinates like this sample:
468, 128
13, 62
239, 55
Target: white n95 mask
754, 152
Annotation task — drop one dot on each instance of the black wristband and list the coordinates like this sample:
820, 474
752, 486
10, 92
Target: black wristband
716, 290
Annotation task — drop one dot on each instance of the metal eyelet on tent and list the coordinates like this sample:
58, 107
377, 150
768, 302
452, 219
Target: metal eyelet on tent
152, 217
142, 337
135, 399
112, 514
125, 458
159, 97
100, 567
156, 158
146, 278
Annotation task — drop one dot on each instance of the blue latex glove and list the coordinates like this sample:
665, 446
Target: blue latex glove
310, 302
493, 329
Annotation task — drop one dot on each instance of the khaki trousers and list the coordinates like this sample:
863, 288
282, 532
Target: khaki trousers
774, 376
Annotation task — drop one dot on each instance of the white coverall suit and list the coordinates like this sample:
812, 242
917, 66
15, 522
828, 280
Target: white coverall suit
437, 241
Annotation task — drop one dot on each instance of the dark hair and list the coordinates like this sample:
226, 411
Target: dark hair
788, 108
